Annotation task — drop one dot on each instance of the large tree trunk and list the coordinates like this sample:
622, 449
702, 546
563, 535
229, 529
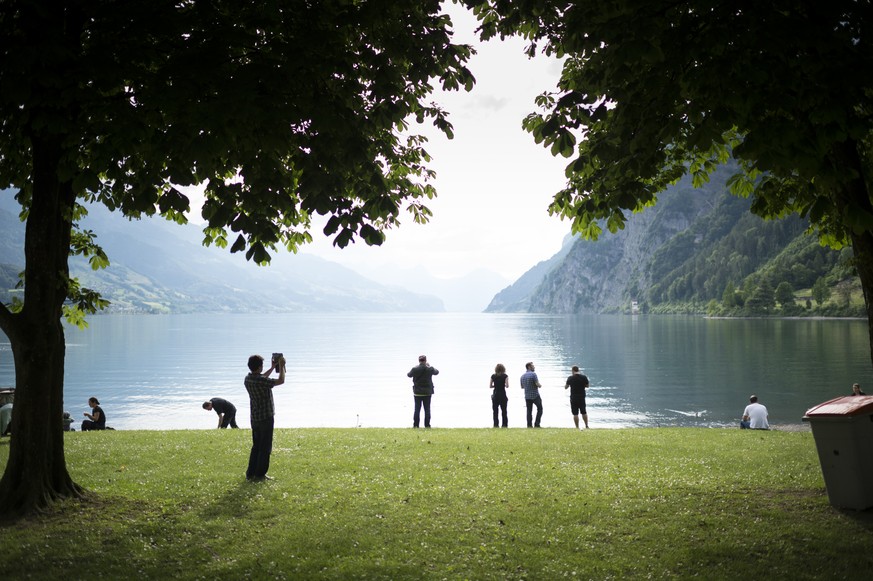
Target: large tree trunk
862, 245
36, 473
856, 196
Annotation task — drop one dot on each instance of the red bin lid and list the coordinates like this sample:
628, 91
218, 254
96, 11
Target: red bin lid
850, 405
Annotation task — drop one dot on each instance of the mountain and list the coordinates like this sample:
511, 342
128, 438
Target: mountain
158, 266
682, 254
517, 296
470, 293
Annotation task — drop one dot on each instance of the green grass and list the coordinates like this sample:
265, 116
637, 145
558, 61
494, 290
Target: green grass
444, 504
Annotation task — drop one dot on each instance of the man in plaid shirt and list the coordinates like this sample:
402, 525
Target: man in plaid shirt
530, 383
260, 387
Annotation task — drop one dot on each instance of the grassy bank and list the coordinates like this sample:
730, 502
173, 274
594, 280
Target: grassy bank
435, 504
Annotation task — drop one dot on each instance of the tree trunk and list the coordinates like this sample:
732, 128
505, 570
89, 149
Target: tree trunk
36, 473
856, 196
862, 245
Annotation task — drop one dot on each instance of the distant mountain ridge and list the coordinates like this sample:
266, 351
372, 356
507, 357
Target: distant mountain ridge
518, 296
687, 249
470, 293
162, 267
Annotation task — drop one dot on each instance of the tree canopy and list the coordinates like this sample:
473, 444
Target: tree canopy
653, 90
282, 110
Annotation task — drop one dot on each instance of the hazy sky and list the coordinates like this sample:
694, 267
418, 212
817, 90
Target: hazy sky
494, 183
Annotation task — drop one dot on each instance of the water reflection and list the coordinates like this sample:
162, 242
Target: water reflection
349, 370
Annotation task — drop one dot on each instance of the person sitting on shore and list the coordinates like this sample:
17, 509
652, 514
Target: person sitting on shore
96, 419
856, 389
68, 422
755, 416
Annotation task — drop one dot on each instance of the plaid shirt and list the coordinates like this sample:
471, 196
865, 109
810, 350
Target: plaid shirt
260, 390
529, 381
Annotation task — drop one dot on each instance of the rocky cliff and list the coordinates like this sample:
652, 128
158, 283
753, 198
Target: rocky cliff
687, 247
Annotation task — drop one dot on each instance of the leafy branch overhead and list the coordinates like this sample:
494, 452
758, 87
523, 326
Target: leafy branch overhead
283, 111
654, 90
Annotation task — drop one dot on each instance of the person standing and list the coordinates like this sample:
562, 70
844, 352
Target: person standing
755, 416
260, 386
530, 383
422, 389
96, 419
578, 383
499, 399
856, 389
226, 411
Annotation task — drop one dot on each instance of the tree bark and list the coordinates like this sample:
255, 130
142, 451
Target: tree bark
862, 246
856, 196
36, 473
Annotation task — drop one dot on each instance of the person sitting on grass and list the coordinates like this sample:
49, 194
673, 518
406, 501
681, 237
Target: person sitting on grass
96, 419
68, 422
755, 416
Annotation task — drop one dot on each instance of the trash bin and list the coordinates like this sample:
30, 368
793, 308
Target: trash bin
843, 433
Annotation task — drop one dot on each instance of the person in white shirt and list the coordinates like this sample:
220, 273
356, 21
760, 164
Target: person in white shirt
755, 415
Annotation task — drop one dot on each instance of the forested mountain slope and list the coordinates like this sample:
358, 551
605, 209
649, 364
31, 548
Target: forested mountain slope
682, 255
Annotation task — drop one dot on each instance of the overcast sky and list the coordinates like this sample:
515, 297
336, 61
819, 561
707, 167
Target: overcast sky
494, 183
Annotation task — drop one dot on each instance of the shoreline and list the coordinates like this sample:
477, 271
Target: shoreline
800, 427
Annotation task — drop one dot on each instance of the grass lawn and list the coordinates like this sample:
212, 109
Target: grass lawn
444, 504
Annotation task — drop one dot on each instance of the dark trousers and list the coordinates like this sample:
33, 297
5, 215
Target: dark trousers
530, 403
262, 447
500, 404
88, 425
421, 400
229, 420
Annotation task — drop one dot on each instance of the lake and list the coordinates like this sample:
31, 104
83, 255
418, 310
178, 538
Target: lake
348, 370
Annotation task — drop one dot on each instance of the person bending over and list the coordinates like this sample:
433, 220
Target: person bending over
226, 411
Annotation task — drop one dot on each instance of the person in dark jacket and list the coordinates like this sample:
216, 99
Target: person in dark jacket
422, 389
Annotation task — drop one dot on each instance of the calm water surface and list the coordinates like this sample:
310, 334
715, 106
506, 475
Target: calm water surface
346, 370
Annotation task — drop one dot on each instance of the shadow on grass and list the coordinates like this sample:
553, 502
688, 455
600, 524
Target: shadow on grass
863, 518
236, 501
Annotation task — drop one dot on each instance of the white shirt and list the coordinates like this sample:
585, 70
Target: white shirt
757, 416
